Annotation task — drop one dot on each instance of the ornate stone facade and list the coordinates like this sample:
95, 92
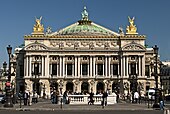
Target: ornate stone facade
86, 57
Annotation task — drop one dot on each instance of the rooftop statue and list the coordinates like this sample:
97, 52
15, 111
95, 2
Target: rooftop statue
131, 29
84, 14
38, 27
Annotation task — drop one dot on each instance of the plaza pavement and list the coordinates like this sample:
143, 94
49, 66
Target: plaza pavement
47, 105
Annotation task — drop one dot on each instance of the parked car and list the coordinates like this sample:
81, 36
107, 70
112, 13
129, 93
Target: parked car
2, 98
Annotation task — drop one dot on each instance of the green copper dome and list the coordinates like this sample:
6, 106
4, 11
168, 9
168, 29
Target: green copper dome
85, 27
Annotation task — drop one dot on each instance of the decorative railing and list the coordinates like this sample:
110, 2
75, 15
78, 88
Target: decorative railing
83, 99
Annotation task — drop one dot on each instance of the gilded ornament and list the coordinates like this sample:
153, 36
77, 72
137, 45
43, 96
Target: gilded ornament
38, 27
131, 29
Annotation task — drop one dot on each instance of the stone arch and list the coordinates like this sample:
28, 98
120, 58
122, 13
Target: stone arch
85, 87
99, 87
37, 88
53, 86
69, 87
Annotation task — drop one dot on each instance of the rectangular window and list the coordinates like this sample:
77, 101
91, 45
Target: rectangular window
115, 69
147, 70
84, 69
100, 69
133, 68
54, 69
36, 69
69, 69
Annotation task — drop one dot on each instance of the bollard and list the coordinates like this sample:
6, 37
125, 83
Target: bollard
61, 103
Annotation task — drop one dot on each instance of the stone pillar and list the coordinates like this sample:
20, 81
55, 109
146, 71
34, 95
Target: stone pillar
60, 66
91, 69
109, 67
78, 66
127, 64
139, 66
143, 66
27, 66
42, 73
30, 69
63, 66
75, 63
105, 66
94, 66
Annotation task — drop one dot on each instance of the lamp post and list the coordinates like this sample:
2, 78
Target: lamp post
4, 75
156, 103
8, 102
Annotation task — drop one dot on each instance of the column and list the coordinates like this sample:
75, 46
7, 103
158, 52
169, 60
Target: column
127, 69
143, 66
75, 64
88, 69
60, 66
121, 67
42, 73
91, 69
109, 67
47, 67
124, 66
63, 66
94, 66
78, 66
105, 66
139, 66
81, 69
27, 66
103, 69
47, 64
72, 69
30, 70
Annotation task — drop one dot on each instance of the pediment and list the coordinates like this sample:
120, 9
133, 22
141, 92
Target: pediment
36, 46
133, 47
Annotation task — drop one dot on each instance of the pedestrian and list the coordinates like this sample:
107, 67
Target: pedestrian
104, 98
136, 96
25, 98
91, 101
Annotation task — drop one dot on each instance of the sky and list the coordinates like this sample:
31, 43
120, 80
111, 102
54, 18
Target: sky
152, 18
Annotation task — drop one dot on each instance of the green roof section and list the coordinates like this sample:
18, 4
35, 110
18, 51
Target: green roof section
85, 27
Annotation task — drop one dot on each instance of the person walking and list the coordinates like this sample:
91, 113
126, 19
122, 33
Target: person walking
104, 98
91, 101
136, 96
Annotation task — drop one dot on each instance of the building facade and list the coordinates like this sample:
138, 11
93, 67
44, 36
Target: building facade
84, 57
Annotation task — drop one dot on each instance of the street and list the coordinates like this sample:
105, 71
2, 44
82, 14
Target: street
84, 112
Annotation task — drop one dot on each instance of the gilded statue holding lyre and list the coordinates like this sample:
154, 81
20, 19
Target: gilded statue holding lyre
38, 27
131, 29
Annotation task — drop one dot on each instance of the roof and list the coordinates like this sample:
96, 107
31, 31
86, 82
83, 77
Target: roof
85, 27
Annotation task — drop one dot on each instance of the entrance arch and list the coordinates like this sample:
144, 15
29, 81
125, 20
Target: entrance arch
37, 88
85, 87
100, 87
69, 87
54, 86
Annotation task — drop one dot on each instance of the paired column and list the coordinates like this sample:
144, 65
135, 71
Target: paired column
94, 64
91, 68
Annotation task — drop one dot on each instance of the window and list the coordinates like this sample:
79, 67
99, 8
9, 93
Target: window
54, 69
133, 68
115, 69
36, 68
147, 70
69, 69
100, 69
84, 69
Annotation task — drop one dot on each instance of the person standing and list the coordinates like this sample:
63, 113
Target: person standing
136, 96
25, 98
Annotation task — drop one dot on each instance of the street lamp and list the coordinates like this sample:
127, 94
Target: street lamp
8, 102
156, 103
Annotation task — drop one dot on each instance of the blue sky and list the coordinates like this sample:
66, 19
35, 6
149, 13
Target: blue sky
152, 18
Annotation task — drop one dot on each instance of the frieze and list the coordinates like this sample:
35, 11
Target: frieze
36, 47
99, 43
133, 47
84, 43
76, 45
106, 45
69, 44
54, 43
